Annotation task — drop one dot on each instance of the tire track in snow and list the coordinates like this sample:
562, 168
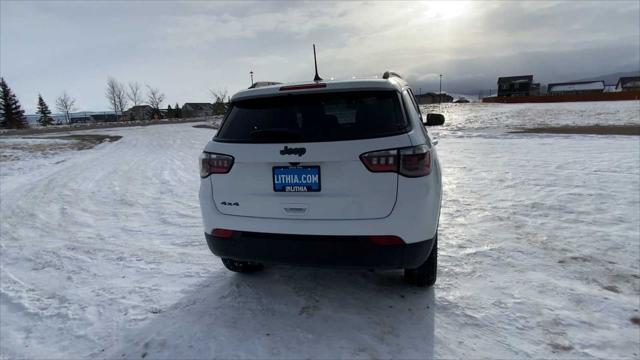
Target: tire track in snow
84, 226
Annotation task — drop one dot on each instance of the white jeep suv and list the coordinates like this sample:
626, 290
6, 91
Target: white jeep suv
337, 173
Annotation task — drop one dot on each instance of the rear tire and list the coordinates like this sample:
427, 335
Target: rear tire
244, 267
425, 274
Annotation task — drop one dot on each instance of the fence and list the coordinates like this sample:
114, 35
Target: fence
603, 96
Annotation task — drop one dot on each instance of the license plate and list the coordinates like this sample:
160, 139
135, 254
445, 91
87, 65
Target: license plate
296, 178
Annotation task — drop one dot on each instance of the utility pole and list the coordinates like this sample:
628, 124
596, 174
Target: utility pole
251, 73
440, 94
420, 91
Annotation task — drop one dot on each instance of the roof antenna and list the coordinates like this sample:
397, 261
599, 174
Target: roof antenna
317, 77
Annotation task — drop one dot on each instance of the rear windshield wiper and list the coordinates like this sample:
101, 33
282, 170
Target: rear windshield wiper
276, 134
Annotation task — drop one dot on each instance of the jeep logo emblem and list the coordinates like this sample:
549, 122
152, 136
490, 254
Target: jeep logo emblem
293, 151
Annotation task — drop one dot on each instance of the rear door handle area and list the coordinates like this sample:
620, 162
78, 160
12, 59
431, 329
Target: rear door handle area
295, 209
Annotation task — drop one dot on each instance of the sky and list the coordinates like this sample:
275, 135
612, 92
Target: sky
187, 49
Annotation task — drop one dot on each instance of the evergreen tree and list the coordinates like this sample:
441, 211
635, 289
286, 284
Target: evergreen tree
170, 112
12, 115
44, 112
177, 111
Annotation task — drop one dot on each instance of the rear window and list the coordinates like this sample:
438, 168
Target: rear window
314, 118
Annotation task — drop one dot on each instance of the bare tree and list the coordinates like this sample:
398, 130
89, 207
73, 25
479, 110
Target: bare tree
117, 96
135, 93
121, 99
155, 99
219, 101
219, 95
65, 104
112, 89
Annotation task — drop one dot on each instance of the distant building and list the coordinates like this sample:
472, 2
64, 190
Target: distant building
190, 110
521, 85
433, 98
139, 112
80, 119
629, 83
577, 87
535, 89
104, 117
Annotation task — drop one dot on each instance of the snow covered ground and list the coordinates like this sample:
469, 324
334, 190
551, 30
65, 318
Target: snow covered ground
482, 118
102, 254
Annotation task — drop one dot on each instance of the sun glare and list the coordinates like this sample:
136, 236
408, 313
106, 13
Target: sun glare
445, 9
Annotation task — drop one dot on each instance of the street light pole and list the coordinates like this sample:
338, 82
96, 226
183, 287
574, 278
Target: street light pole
440, 93
251, 73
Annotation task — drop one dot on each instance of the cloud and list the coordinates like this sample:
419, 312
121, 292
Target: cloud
187, 48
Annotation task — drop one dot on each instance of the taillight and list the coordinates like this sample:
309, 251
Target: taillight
381, 161
412, 161
211, 163
415, 161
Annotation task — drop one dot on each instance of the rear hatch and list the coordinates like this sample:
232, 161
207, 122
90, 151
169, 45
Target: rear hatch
298, 156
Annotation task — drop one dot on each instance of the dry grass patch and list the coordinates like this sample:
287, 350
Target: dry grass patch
10, 151
584, 129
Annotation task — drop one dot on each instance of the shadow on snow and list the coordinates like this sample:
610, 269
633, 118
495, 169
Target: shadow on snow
289, 312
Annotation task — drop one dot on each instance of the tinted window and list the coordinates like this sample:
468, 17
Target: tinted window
414, 102
411, 103
315, 117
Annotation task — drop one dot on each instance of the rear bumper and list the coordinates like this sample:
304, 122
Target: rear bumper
319, 250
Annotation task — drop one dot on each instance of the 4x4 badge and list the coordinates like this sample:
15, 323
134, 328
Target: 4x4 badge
229, 203
293, 151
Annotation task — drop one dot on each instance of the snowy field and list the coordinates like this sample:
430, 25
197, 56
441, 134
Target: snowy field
103, 253
496, 118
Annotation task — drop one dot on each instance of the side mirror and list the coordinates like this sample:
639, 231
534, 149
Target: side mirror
434, 120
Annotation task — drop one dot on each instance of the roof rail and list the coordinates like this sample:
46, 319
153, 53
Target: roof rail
388, 74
